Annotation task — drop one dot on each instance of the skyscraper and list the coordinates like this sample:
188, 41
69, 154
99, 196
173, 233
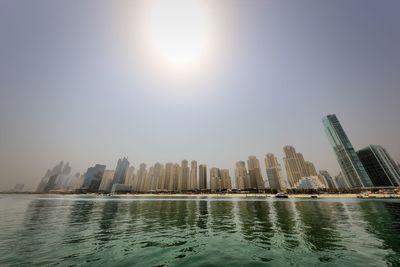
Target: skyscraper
202, 177
168, 176
226, 183
242, 176
328, 178
381, 168
310, 169
274, 173
176, 173
130, 176
159, 177
184, 176
341, 182
141, 177
256, 180
66, 169
148, 180
295, 165
215, 179
351, 166
93, 176
57, 170
121, 171
193, 175
51, 183
106, 181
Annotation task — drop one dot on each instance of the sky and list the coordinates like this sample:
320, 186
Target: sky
92, 81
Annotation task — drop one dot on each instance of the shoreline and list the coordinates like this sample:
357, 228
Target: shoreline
225, 195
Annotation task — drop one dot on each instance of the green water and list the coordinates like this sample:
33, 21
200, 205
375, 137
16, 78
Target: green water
55, 230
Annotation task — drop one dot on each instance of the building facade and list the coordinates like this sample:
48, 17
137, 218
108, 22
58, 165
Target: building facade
215, 179
328, 178
242, 176
256, 180
381, 168
193, 176
352, 169
202, 177
121, 171
106, 181
274, 173
295, 165
184, 176
226, 183
93, 177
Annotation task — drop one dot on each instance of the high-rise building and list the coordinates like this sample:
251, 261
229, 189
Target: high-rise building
310, 169
184, 176
274, 173
159, 177
130, 176
328, 178
57, 170
351, 166
193, 175
93, 177
148, 180
242, 176
176, 173
51, 183
381, 168
141, 177
341, 182
226, 183
256, 180
203, 177
295, 166
66, 169
121, 171
215, 179
106, 181
168, 176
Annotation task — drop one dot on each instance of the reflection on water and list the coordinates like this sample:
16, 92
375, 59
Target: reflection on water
255, 222
318, 225
286, 223
383, 220
88, 231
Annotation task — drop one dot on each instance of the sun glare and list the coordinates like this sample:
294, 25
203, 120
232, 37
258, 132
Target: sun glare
178, 33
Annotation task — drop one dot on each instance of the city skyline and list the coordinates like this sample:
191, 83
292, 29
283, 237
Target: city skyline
84, 82
299, 173
371, 167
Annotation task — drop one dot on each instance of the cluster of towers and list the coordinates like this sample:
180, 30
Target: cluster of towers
58, 178
171, 177
174, 177
301, 174
370, 167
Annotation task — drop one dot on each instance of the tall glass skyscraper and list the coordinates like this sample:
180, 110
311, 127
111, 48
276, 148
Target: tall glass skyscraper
352, 168
121, 171
380, 167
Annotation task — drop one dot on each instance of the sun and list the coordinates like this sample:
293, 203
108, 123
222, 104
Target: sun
179, 33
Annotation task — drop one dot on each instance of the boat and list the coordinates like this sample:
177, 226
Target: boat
314, 196
282, 195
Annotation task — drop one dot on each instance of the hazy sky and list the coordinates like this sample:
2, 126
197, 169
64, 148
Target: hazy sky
79, 83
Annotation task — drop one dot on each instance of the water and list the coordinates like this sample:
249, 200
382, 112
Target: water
56, 230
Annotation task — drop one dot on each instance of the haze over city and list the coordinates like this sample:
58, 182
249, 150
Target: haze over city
91, 82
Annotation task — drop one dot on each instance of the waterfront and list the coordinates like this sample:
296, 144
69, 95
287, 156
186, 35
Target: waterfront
79, 230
